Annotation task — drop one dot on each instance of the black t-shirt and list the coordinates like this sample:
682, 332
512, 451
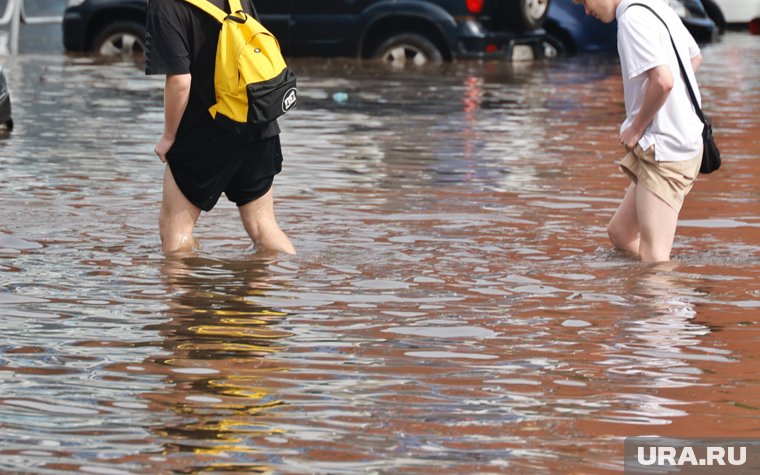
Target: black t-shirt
181, 39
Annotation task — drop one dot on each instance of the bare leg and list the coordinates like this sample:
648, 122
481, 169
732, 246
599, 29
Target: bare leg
657, 222
623, 229
177, 219
260, 224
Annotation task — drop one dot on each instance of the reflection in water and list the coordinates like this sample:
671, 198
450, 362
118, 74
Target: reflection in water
454, 307
662, 340
216, 342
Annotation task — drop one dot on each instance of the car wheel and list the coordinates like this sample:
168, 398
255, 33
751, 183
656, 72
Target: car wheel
408, 49
124, 38
553, 47
532, 13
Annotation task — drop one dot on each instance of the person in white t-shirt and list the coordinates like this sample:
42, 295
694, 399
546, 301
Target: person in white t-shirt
662, 132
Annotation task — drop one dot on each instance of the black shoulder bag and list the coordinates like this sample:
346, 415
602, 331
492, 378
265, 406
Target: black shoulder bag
710, 152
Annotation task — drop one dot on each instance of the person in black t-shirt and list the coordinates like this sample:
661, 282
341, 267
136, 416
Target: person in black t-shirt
203, 160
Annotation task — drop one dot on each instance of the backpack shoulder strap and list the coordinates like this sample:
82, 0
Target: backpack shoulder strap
210, 8
235, 6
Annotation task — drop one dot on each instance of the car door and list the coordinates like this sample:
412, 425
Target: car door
276, 16
326, 27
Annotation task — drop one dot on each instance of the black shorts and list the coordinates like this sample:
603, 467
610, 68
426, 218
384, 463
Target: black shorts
243, 172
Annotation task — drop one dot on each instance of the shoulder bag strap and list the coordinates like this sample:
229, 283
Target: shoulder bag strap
680, 63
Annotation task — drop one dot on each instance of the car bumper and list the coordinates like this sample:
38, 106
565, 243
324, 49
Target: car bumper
475, 43
73, 31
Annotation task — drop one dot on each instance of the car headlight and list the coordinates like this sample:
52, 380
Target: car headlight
678, 7
74, 3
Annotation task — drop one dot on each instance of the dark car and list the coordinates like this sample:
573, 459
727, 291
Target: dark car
570, 30
696, 19
399, 31
5, 102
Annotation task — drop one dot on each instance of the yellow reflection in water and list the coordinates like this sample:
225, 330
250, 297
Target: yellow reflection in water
219, 342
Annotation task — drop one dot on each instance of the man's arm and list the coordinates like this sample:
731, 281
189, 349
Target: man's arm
696, 61
658, 86
176, 97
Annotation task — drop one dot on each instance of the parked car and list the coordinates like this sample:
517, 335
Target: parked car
734, 13
569, 30
5, 102
106, 27
397, 31
694, 16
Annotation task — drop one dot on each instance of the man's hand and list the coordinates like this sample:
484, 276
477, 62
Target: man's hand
630, 137
176, 97
163, 147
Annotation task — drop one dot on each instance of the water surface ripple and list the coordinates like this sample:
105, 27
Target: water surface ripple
454, 305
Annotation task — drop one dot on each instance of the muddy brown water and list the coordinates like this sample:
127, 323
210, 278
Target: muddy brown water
454, 306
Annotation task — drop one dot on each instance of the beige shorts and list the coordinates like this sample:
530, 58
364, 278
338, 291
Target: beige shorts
669, 181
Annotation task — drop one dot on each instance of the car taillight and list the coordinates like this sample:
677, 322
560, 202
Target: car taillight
754, 26
475, 6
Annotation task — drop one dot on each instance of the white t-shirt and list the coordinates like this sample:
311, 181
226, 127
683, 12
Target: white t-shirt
644, 43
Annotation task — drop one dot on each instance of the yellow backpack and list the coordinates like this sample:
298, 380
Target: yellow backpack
252, 83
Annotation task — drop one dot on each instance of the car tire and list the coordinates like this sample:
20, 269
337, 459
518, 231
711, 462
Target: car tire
408, 49
121, 38
713, 11
532, 14
553, 47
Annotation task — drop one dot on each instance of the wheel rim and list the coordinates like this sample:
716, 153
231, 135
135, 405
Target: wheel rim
537, 8
405, 54
550, 51
121, 44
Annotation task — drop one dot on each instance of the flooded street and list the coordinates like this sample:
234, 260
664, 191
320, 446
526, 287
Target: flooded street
454, 306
